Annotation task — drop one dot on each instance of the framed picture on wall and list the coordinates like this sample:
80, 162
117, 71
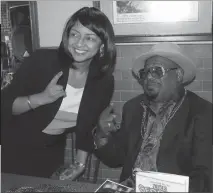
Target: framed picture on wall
154, 21
139, 12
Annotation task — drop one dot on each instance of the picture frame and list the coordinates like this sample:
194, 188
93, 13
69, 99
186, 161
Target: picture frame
113, 187
192, 29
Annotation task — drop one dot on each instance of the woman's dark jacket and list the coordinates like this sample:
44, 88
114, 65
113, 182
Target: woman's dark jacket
185, 149
31, 78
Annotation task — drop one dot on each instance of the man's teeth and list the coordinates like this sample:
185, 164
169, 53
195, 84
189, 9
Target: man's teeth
79, 51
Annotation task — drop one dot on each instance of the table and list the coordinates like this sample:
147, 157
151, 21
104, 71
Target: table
12, 181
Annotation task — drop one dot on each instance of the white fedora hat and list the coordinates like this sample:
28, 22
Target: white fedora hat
171, 51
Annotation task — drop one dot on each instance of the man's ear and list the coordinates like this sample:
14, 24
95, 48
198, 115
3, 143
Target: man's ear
180, 74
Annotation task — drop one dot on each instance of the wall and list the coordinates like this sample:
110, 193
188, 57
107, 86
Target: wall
126, 87
52, 16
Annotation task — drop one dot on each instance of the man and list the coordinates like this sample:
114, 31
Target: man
166, 129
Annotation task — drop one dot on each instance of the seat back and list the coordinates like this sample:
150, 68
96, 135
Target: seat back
92, 165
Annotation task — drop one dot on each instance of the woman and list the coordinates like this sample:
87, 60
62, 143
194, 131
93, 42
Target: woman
58, 91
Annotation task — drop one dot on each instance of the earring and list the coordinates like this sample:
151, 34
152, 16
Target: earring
101, 50
101, 53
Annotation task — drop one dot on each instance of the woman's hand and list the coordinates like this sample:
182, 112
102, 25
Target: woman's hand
74, 171
53, 91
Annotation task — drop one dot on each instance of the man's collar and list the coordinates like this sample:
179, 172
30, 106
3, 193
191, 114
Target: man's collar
145, 103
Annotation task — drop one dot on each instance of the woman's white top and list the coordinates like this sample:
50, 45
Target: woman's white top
72, 101
70, 108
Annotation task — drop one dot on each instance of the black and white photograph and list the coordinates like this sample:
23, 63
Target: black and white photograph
158, 18
106, 96
154, 11
112, 187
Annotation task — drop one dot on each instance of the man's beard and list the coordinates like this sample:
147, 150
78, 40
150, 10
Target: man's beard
151, 97
151, 92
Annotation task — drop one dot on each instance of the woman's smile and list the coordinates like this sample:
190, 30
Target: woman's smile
80, 51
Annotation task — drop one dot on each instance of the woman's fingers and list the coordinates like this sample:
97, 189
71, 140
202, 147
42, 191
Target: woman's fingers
68, 173
72, 172
60, 94
55, 79
58, 87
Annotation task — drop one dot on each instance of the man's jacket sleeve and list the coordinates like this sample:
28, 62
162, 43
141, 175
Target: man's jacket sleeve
201, 176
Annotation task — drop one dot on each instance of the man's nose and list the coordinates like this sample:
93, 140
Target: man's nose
149, 75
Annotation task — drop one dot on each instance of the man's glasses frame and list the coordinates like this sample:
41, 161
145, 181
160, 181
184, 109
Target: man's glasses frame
155, 71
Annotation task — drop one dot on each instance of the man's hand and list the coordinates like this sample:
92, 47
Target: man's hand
107, 122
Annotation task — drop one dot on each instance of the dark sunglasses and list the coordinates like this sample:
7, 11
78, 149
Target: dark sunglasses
156, 72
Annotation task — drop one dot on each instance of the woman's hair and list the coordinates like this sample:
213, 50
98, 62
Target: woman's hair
95, 20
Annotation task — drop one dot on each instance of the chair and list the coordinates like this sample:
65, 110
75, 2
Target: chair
86, 175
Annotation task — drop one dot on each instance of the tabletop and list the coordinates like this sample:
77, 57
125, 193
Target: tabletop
17, 183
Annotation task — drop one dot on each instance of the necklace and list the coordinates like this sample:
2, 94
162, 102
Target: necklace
145, 132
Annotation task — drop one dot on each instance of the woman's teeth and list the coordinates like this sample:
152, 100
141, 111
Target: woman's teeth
79, 51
